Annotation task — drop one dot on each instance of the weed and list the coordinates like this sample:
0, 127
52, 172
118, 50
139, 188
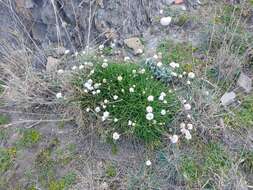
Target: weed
29, 138
123, 92
4, 120
110, 171
190, 169
247, 161
7, 156
64, 183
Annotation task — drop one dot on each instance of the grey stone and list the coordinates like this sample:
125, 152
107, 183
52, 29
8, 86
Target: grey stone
228, 98
39, 31
135, 44
52, 64
245, 82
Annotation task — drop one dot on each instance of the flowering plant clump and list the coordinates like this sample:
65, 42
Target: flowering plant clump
128, 98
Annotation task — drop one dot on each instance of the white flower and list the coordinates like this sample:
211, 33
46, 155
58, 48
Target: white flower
133, 124
184, 73
149, 109
149, 116
115, 136
191, 75
139, 51
165, 102
113, 45
134, 71
115, 97
98, 91
173, 64
60, 71
142, 71
104, 81
187, 107
180, 76
83, 52
174, 74
97, 109
155, 56
87, 109
188, 82
106, 101
74, 68
159, 64
97, 85
101, 47
81, 67
161, 98
59, 95
90, 64
150, 98
115, 120
76, 53
165, 21
66, 52
148, 163
92, 72
174, 139
188, 116
93, 92
163, 112
105, 60
182, 125
161, 11
189, 126
126, 58
131, 89
104, 106
130, 123
104, 65
188, 135
105, 115
120, 78
163, 94
122, 90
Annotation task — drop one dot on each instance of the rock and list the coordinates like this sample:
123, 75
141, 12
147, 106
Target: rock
52, 64
165, 21
39, 31
245, 82
228, 98
177, 2
135, 44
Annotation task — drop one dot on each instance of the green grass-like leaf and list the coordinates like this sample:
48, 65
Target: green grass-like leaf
129, 105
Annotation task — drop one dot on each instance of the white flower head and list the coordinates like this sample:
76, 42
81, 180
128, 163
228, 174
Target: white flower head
174, 139
101, 47
106, 101
142, 71
131, 89
81, 67
174, 74
115, 120
87, 109
188, 82
97, 109
98, 91
163, 112
76, 54
188, 116
115, 97
74, 68
188, 135
119, 78
104, 81
150, 98
105, 115
191, 75
115, 136
66, 51
155, 56
173, 64
134, 71
161, 98
149, 109
182, 125
59, 95
60, 71
104, 65
149, 116
189, 126
148, 163
126, 58
165, 101
105, 60
163, 94
130, 123
187, 107
159, 64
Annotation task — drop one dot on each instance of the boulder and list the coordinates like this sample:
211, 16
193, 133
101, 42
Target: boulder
228, 98
245, 82
135, 44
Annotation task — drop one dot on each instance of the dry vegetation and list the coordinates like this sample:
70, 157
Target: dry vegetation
97, 120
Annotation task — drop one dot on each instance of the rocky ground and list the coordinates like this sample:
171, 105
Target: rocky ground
41, 148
